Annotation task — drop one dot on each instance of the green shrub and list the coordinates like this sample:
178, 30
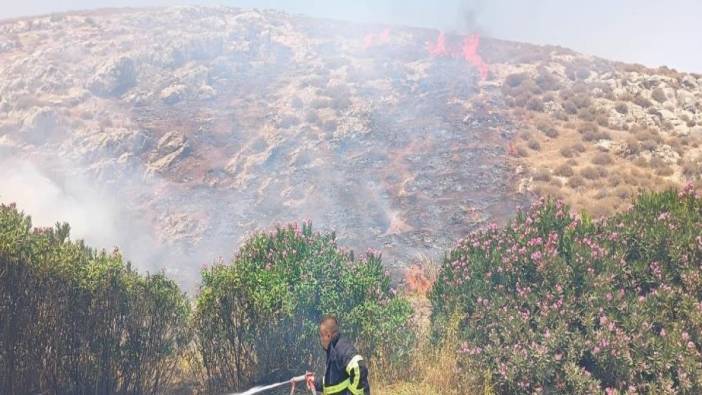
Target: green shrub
296, 103
554, 303
288, 121
547, 81
75, 320
564, 170
659, 95
582, 100
547, 129
602, 158
614, 180
514, 80
579, 147
535, 104
569, 107
542, 174
602, 120
567, 152
642, 102
329, 125
587, 127
261, 312
632, 146
575, 182
587, 114
593, 173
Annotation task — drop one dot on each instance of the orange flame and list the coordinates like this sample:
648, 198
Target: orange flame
438, 49
417, 280
470, 54
384, 36
370, 39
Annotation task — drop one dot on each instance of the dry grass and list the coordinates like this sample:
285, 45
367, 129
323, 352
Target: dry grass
632, 146
522, 152
664, 171
433, 369
692, 169
596, 177
624, 192
614, 179
544, 189
641, 162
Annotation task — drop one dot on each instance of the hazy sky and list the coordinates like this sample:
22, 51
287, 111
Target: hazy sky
651, 32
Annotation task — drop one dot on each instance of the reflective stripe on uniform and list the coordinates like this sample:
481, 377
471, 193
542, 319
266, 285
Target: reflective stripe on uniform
353, 366
336, 388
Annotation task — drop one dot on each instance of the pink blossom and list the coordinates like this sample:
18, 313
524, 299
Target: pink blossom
664, 216
687, 191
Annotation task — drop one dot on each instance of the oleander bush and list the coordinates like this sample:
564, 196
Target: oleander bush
552, 302
76, 320
261, 312
558, 303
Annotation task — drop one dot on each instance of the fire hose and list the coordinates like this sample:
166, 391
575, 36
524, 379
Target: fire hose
293, 382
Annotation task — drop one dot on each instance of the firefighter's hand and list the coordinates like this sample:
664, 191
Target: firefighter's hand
309, 380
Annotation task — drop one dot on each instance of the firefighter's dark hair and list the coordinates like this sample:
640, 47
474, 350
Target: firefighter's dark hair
330, 322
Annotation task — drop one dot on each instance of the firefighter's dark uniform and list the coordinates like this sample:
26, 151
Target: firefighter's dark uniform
346, 372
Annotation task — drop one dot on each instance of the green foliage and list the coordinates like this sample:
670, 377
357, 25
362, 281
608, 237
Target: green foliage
561, 304
75, 320
552, 303
261, 312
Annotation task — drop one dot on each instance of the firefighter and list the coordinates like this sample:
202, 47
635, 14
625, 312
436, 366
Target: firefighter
346, 372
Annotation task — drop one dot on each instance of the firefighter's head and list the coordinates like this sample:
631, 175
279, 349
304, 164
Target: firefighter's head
328, 328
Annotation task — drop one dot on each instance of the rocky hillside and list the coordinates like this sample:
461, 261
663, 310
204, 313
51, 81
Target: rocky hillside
205, 124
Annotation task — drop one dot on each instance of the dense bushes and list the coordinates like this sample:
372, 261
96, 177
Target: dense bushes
74, 320
261, 312
558, 303
552, 303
